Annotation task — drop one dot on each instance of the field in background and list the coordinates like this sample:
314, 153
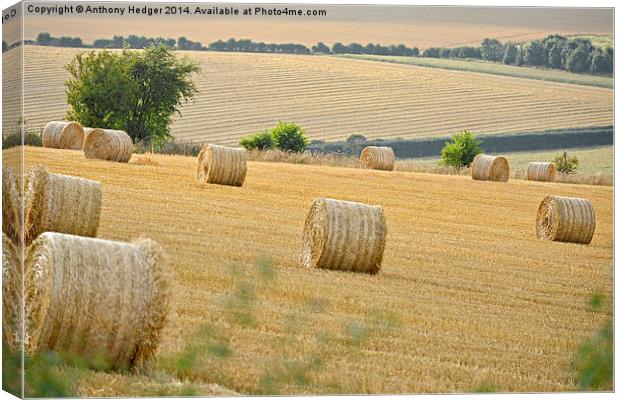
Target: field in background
591, 160
488, 67
333, 98
415, 26
467, 299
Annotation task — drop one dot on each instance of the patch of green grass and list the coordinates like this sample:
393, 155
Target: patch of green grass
592, 160
487, 67
594, 361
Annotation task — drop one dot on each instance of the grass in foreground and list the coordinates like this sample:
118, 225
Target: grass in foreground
473, 297
493, 68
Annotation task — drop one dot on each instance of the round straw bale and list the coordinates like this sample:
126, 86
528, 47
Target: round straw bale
375, 157
344, 235
541, 171
565, 219
11, 206
490, 168
60, 203
222, 165
11, 294
63, 135
96, 299
107, 144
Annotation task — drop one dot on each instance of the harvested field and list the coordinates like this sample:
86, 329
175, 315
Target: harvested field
467, 296
333, 98
415, 26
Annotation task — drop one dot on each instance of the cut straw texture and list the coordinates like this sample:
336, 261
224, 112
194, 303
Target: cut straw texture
11, 294
11, 206
222, 165
375, 157
343, 235
490, 168
63, 135
565, 219
60, 203
96, 299
107, 144
541, 171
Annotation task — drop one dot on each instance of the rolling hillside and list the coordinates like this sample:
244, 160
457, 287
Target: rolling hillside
332, 98
468, 298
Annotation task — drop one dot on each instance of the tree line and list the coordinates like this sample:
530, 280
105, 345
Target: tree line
554, 51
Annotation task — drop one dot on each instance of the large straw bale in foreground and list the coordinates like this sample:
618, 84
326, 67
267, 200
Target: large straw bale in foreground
11, 206
344, 235
96, 298
60, 203
565, 219
11, 293
107, 144
541, 171
222, 165
63, 135
490, 168
375, 157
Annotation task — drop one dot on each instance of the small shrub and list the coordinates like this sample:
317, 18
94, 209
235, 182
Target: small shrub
262, 140
565, 164
30, 139
461, 151
289, 137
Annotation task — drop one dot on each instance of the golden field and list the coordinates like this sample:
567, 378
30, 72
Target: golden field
467, 298
330, 97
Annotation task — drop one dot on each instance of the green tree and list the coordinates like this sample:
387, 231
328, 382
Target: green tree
321, 48
492, 50
258, 141
44, 39
461, 150
578, 60
535, 54
565, 164
510, 54
136, 91
602, 61
289, 137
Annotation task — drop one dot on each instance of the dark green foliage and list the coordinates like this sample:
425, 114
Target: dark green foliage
432, 52
535, 54
289, 137
262, 140
30, 139
321, 48
594, 361
461, 150
467, 52
555, 57
45, 39
137, 92
565, 164
602, 61
578, 60
284, 136
492, 50
510, 54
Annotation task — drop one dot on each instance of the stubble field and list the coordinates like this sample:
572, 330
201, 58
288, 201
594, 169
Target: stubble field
468, 298
331, 98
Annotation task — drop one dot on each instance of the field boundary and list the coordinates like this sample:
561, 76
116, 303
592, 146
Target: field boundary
492, 143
